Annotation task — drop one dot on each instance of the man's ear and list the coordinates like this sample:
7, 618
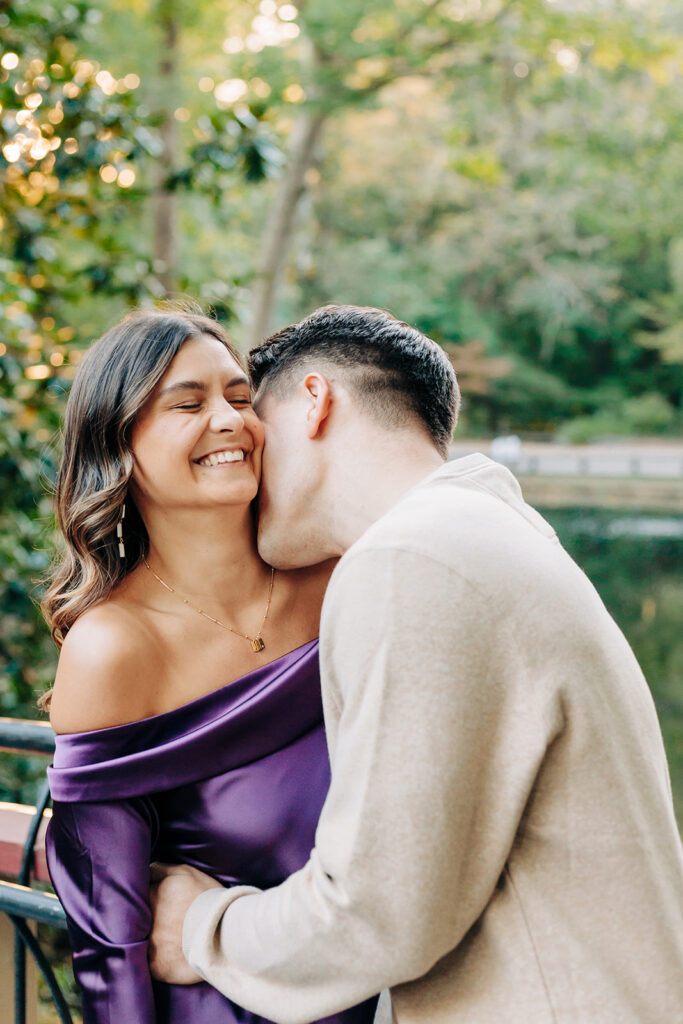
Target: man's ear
318, 396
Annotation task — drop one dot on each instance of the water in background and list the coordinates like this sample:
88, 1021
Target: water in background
635, 561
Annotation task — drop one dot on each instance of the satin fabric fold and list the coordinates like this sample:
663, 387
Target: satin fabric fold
231, 783
229, 727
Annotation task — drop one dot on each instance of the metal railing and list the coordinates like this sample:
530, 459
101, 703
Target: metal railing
19, 901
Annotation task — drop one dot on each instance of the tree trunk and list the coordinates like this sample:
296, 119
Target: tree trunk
279, 228
165, 200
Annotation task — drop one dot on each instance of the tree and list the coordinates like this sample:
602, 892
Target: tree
350, 53
527, 201
166, 212
663, 311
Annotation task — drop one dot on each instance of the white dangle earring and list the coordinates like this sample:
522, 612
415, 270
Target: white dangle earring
119, 532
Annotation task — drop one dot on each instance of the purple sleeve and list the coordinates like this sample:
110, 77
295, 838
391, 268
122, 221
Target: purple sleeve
99, 855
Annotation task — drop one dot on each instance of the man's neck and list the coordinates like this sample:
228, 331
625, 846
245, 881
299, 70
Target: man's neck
372, 482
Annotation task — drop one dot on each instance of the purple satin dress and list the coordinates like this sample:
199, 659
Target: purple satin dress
231, 783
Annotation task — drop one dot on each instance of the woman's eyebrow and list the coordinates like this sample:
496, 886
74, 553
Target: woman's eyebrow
197, 385
183, 385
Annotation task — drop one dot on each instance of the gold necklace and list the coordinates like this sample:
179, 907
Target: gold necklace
257, 643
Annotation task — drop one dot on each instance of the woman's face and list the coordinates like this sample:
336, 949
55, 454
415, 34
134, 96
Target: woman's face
197, 442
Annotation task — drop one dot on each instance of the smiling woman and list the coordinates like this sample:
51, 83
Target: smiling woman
187, 703
115, 381
197, 424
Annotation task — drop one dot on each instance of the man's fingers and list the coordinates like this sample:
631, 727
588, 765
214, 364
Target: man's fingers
173, 888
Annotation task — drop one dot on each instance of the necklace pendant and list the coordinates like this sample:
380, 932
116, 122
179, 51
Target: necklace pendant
257, 644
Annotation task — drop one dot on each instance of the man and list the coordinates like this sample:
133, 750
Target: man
498, 843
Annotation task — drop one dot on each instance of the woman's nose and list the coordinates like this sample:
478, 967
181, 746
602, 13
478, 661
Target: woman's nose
226, 417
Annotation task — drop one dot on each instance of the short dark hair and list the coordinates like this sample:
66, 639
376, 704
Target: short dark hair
394, 367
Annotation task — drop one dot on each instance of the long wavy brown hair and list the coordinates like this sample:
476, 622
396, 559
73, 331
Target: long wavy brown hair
114, 381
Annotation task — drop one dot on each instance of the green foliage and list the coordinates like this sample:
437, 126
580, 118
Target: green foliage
635, 563
56, 133
646, 414
663, 311
536, 181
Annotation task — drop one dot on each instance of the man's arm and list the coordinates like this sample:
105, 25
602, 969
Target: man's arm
439, 738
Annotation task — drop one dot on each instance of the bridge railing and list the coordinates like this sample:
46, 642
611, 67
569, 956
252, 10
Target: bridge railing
22, 907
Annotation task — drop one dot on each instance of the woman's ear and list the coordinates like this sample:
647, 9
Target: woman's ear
319, 400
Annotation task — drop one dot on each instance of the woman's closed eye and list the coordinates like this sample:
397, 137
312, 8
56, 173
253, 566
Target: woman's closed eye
191, 406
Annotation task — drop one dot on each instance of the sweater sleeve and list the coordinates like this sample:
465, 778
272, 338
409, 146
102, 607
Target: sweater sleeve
98, 856
436, 737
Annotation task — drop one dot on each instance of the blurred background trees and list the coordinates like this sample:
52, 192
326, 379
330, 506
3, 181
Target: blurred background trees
504, 174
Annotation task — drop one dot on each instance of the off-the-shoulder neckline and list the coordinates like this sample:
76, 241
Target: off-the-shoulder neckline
188, 705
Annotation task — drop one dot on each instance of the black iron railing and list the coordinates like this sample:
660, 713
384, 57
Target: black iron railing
19, 901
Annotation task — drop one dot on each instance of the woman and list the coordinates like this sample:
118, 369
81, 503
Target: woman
186, 702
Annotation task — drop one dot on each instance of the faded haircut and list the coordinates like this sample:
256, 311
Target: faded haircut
389, 366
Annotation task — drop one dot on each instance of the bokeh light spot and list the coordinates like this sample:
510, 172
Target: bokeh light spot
38, 372
293, 93
108, 173
126, 177
229, 91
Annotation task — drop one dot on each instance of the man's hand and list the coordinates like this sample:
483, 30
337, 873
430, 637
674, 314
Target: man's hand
174, 887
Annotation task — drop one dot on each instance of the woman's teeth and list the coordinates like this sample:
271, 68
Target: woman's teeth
217, 458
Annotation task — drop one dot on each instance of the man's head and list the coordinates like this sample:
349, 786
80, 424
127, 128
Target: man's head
346, 385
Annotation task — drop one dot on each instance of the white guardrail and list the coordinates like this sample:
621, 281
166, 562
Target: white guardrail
654, 460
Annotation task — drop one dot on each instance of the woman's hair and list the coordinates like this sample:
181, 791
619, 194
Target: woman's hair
114, 381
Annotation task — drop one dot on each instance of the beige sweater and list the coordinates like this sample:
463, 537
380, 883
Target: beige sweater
498, 845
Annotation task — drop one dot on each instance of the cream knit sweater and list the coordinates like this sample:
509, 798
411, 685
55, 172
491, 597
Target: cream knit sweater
498, 845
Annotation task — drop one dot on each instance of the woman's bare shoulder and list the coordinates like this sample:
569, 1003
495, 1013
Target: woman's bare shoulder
105, 674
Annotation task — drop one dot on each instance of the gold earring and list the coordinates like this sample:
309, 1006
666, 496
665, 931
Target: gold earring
119, 533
